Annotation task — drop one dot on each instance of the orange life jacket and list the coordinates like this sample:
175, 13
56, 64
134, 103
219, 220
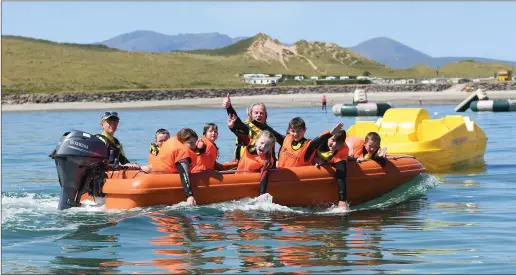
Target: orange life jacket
340, 155
170, 153
206, 161
334, 157
290, 157
253, 162
153, 160
357, 147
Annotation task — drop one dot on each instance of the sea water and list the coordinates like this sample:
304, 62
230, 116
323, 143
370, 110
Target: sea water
459, 222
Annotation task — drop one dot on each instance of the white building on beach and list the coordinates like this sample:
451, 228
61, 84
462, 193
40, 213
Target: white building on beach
263, 80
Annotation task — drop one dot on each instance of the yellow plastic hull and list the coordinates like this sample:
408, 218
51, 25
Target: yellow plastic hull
453, 142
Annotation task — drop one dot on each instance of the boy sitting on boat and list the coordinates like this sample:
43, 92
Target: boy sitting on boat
178, 155
295, 150
335, 151
368, 149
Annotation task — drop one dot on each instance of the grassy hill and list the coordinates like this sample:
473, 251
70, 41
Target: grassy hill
469, 68
239, 47
32, 65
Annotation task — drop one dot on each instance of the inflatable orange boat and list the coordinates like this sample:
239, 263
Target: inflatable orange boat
299, 186
81, 167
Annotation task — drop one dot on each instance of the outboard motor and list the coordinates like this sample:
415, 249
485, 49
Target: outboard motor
81, 161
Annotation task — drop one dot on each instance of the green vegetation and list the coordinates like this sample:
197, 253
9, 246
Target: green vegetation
83, 46
471, 69
42, 66
292, 82
238, 48
342, 82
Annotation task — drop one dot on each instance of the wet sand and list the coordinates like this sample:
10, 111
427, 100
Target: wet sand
397, 99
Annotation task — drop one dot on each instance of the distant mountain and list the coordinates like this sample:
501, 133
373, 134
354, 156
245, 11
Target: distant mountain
380, 49
150, 41
399, 56
392, 53
321, 57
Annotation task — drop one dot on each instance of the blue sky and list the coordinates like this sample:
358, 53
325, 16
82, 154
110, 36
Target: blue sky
480, 29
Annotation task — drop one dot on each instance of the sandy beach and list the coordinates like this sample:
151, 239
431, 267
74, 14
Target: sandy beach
397, 99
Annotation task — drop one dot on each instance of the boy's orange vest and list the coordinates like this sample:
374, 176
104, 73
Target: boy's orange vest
357, 146
170, 153
289, 157
340, 155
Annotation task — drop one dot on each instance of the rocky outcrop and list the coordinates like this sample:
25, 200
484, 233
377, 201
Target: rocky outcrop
494, 86
125, 96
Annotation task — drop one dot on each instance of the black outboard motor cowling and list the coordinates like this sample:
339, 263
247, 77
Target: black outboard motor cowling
81, 160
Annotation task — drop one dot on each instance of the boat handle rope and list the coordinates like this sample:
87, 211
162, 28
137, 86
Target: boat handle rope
233, 171
396, 157
245, 171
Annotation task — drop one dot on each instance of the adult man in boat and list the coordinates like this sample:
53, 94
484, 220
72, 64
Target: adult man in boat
160, 137
257, 112
109, 123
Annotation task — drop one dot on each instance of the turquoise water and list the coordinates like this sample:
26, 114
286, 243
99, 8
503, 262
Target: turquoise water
449, 223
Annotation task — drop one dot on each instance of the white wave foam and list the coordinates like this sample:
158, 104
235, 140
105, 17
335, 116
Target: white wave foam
30, 210
27, 205
416, 187
260, 203
335, 210
38, 212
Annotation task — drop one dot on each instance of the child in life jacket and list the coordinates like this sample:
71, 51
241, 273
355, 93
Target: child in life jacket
296, 150
208, 154
335, 151
369, 149
178, 155
257, 155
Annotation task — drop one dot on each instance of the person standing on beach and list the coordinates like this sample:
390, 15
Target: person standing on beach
323, 101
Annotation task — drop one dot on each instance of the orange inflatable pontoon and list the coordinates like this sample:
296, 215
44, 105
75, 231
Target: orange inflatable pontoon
299, 186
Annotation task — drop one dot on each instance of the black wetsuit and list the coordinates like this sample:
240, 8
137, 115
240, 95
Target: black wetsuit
341, 169
116, 147
240, 128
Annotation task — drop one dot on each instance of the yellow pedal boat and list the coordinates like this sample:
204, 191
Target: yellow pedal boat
449, 143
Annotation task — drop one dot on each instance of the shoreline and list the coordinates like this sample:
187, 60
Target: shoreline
397, 99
